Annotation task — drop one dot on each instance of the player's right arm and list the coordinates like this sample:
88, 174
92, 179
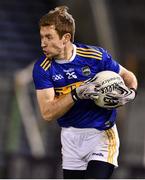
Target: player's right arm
52, 108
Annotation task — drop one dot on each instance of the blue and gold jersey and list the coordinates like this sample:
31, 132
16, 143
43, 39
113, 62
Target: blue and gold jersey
64, 76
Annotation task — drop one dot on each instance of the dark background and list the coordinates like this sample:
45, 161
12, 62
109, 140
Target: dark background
119, 27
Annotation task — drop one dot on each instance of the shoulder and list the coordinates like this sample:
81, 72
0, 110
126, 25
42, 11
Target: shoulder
89, 51
42, 64
86, 47
41, 68
41, 74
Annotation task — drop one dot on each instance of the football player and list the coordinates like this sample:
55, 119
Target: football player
65, 89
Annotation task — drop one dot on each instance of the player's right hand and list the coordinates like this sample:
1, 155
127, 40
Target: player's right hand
89, 90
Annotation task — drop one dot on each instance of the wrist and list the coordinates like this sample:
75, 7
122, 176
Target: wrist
74, 95
135, 91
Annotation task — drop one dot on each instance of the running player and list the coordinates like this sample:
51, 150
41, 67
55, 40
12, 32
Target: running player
90, 143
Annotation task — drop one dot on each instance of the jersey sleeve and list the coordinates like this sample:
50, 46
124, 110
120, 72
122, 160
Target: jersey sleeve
108, 63
41, 78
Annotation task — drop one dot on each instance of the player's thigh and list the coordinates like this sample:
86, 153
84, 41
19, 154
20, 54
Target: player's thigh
99, 170
73, 174
106, 147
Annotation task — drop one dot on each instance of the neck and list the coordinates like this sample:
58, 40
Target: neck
67, 52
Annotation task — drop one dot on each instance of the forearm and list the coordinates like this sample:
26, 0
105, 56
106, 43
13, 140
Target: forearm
56, 108
130, 80
128, 77
53, 108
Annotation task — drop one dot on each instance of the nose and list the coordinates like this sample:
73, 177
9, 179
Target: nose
43, 43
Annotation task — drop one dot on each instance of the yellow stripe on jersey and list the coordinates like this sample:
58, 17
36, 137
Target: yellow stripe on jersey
89, 49
67, 89
90, 56
111, 146
88, 52
45, 64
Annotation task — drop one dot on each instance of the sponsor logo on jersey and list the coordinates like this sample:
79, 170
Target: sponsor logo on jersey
86, 71
107, 124
70, 73
57, 77
97, 154
67, 89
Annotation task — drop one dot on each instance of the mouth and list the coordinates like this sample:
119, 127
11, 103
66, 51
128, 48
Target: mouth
46, 53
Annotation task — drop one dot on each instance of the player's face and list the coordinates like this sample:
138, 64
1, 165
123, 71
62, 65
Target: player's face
51, 43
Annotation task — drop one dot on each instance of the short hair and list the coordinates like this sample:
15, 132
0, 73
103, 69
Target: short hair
61, 19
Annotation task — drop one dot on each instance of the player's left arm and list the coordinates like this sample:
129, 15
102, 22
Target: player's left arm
127, 92
128, 77
110, 64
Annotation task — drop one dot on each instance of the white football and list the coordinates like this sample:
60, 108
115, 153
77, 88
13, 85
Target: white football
108, 81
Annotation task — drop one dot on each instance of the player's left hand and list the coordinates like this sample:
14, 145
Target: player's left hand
122, 95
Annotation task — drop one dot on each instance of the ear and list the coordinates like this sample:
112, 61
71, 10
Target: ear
66, 37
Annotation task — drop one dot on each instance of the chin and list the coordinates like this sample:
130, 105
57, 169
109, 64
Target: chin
48, 56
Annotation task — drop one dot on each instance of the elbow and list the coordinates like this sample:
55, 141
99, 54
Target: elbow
47, 116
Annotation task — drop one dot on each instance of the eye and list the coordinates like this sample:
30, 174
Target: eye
49, 37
